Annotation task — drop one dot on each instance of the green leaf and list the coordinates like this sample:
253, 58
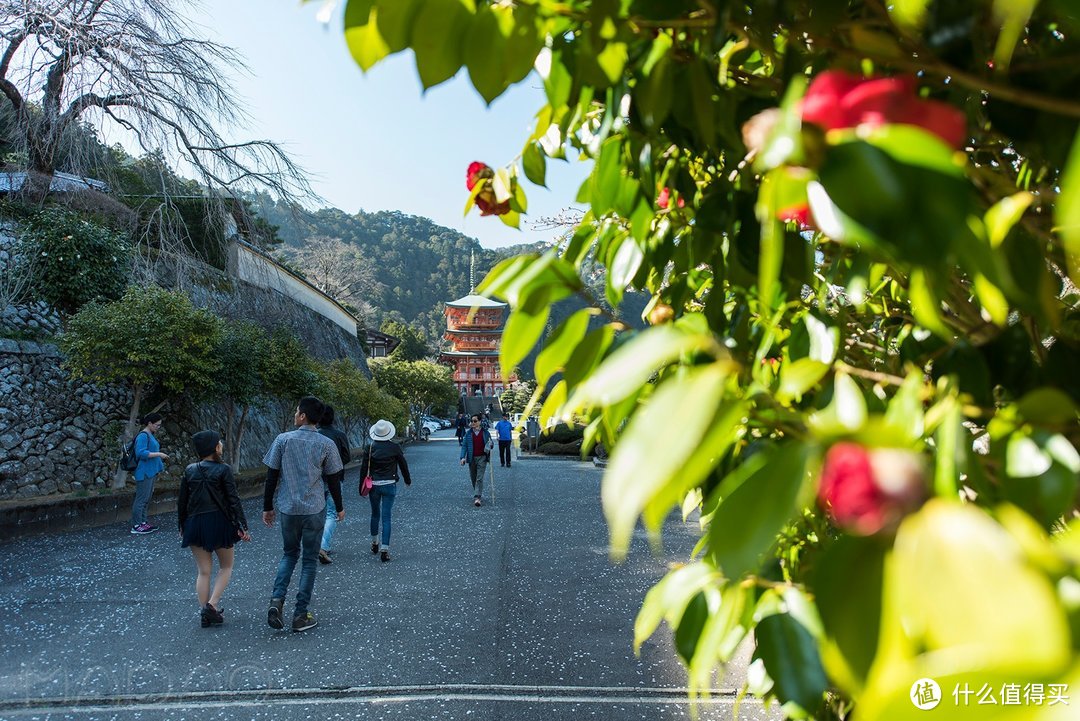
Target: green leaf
909, 14
745, 524
1004, 214
784, 144
905, 412
560, 344
637, 473
1047, 406
612, 60
535, 164
395, 19
962, 586
655, 91
824, 340
668, 598
437, 39
847, 586
625, 264
690, 624
772, 237
701, 101
1067, 212
926, 305
365, 43
524, 39
846, 413
523, 329
797, 377
634, 363
604, 182
586, 356
484, 52
790, 656
722, 634
1013, 16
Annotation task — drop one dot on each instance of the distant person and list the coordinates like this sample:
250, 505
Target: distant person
476, 451
505, 430
151, 463
326, 427
462, 425
211, 519
382, 460
298, 463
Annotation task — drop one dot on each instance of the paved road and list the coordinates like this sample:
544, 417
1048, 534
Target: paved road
510, 611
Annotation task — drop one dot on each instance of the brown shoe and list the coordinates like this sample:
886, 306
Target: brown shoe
324, 558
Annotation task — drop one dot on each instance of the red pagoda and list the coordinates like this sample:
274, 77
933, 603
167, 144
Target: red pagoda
474, 327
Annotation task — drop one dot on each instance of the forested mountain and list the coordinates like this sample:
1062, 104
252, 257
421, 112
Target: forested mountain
418, 264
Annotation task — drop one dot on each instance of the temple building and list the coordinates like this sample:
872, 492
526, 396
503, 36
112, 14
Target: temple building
474, 327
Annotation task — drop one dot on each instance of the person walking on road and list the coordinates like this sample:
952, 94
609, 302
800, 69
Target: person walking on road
326, 427
505, 430
462, 426
476, 451
211, 519
381, 461
151, 463
297, 464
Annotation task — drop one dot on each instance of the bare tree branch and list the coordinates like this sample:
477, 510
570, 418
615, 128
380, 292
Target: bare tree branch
139, 64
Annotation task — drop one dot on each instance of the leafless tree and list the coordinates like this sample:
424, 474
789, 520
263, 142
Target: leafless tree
141, 65
17, 271
338, 269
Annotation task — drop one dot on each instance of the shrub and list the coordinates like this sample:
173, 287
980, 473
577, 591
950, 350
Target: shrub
76, 260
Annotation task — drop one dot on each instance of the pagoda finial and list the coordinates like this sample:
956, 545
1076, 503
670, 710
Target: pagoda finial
472, 272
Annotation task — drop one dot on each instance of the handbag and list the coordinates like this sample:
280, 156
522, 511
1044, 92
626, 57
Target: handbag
365, 485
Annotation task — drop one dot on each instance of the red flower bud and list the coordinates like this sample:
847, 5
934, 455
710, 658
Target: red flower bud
485, 200
865, 492
837, 100
663, 200
797, 214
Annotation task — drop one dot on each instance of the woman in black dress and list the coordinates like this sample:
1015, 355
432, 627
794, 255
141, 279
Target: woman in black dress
211, 519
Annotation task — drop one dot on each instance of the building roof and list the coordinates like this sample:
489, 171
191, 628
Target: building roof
466, 354
475, 301
59, 182
494, 330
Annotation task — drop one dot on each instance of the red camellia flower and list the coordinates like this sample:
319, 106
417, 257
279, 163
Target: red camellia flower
663, 200
797, 214
836, 99
485, 200
867, 491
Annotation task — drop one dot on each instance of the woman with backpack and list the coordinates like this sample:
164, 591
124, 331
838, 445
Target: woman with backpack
151, 462
211, 520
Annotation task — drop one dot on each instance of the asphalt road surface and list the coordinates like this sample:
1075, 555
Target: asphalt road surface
508, 611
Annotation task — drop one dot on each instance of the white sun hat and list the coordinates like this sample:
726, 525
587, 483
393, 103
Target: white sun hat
382, 431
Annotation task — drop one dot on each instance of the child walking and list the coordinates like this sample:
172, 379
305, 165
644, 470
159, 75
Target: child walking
211, 519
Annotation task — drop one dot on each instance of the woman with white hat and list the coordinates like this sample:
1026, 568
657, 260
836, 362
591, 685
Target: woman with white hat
382, 461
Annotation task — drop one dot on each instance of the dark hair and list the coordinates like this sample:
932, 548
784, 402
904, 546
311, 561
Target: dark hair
150, 418
311, 407
474, 417
327, 416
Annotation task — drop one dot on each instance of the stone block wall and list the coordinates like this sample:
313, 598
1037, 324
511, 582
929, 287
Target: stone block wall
53, 436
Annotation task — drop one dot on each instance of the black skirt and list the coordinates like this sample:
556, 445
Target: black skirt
209, 531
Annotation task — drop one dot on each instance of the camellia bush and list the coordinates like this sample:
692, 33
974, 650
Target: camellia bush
859, 223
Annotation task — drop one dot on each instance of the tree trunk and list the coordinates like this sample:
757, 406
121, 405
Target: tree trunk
120, 478
240, 427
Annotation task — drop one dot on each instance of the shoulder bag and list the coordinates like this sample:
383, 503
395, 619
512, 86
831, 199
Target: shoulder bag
365, 485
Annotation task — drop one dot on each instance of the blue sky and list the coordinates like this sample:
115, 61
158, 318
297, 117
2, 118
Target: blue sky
377, 141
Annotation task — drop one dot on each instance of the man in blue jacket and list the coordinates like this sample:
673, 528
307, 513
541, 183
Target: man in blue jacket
476, 451
505, 430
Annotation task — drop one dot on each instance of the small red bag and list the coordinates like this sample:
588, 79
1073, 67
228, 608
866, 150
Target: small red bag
365, 485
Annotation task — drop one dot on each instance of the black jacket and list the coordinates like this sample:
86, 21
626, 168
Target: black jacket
340, 440
386, 458
209, 486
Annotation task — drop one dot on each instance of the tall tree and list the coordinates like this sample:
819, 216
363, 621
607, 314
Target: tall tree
140, 65
151, 339
338, 269
242, 349
413, 346
421, 385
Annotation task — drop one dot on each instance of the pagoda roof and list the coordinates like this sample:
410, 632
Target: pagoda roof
475, 301
464, 354
494, 330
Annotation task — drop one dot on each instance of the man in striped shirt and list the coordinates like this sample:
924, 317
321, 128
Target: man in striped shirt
297, 464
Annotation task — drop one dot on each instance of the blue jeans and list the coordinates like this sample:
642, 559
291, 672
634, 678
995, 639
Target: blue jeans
299, 532
330, 525
382, 504
144, 489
